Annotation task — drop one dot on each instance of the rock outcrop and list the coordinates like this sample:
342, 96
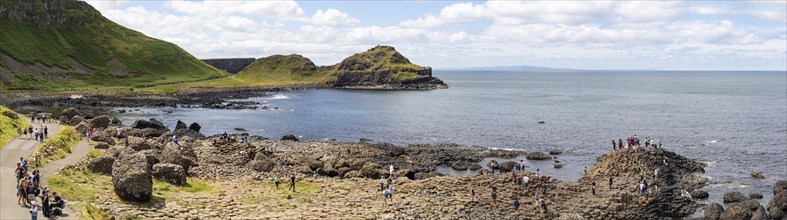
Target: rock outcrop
102, 165
731, 197
153, 123
99, 122
713, 211
132, 178
538, 156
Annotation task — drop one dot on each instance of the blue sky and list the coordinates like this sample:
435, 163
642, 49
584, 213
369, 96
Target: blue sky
675, 35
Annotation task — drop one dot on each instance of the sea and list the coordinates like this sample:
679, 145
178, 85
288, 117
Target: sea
733, 121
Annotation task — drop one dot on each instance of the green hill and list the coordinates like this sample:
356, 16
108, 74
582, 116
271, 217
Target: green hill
376, 67
67, 44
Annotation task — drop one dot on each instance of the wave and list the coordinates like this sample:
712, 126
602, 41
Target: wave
279, 96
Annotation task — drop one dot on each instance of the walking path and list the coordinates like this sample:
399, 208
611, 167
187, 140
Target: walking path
9, 156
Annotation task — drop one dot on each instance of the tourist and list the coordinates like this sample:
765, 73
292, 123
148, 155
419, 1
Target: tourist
175, 139
386, 194
472, 194
277, 181
58, 202
391, 170
391, 192
516, 204
544, 188
24, 132
538, 174
126, 141
647, 142
34, 210
610, 183
522, 165
544, 209
645, 187
593, 187
513, 177
45, 203
37, 159
620, 144
494, 196
586, 170
493, 165
382, 182
36, 178
292, 182
21, 192
46, 132
90, 133
655, 174
525, 181
613, 145
18, 131
658, 143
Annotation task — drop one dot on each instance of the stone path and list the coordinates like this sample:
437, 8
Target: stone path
21, 147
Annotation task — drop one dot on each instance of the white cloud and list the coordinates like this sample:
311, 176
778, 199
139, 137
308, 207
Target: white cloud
333, 17
562, 34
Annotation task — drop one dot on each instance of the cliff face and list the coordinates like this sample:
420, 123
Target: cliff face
382, 67
231, 65
48, 12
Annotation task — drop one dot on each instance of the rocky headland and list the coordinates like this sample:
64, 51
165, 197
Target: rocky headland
146, 175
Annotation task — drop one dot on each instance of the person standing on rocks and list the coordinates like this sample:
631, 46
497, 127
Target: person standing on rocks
277, 181
620, 144
391, 171
613, 145
610, 183
544, 188
516, 204
292, 182
525, 181
382, 183
593, 187
175, 139
494, 196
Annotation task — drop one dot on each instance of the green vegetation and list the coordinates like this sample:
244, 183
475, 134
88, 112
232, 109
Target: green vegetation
405, 75
80, 184
95, 153
57, 146
96, 52
9, 126
88, 211
192, 185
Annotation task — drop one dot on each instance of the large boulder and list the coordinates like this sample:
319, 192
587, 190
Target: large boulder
137, 143
195, 127
507, 166
731, 197
261, 165
132, 178
171, 173
538, 156
82, 127
736, 211
146, 133
103, 136
181, 155
713, 211
755, 195
99, 122
64, 120
102, 164
760, 214
778, 205
460, 165
699, 194
151, 158
76, 120
69, 113
143, 124
289, 137
370, 171
180, 125
101, 145
555, 152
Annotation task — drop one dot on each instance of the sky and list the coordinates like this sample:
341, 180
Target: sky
674, 35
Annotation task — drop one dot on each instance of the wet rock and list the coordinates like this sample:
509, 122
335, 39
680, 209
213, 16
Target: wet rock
474, 166
713, 211
116, 122
102, 165
731, 197
146, 133
759, 175
699, 194
180, 125
76, 120
760, 214
171, 173
195, 127
365, 140
99, 122
289, 137
239, 129
555, 152
143, 124
132, 178
778, 205
69, 113
735, 211
506, 154
755, 195
460, 165
507, 166
538, 156
779, 186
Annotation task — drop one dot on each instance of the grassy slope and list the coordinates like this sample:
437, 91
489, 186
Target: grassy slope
94, 44
8, 126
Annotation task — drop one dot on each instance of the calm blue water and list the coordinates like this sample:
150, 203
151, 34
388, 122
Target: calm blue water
734, 121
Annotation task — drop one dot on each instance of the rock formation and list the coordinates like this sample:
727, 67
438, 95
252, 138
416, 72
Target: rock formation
132, 178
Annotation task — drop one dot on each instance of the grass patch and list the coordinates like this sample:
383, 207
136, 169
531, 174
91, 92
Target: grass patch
193, 185
8, 126
95, 153
405, 75
80, 184
88, 211
57, 146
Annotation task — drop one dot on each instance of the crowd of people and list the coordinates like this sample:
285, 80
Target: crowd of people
39, 134
29, 190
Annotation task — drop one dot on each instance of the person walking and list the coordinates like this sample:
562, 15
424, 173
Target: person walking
593, 187
494, 196
34, 210
46, 132
277, 181
292, 182
516, 204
